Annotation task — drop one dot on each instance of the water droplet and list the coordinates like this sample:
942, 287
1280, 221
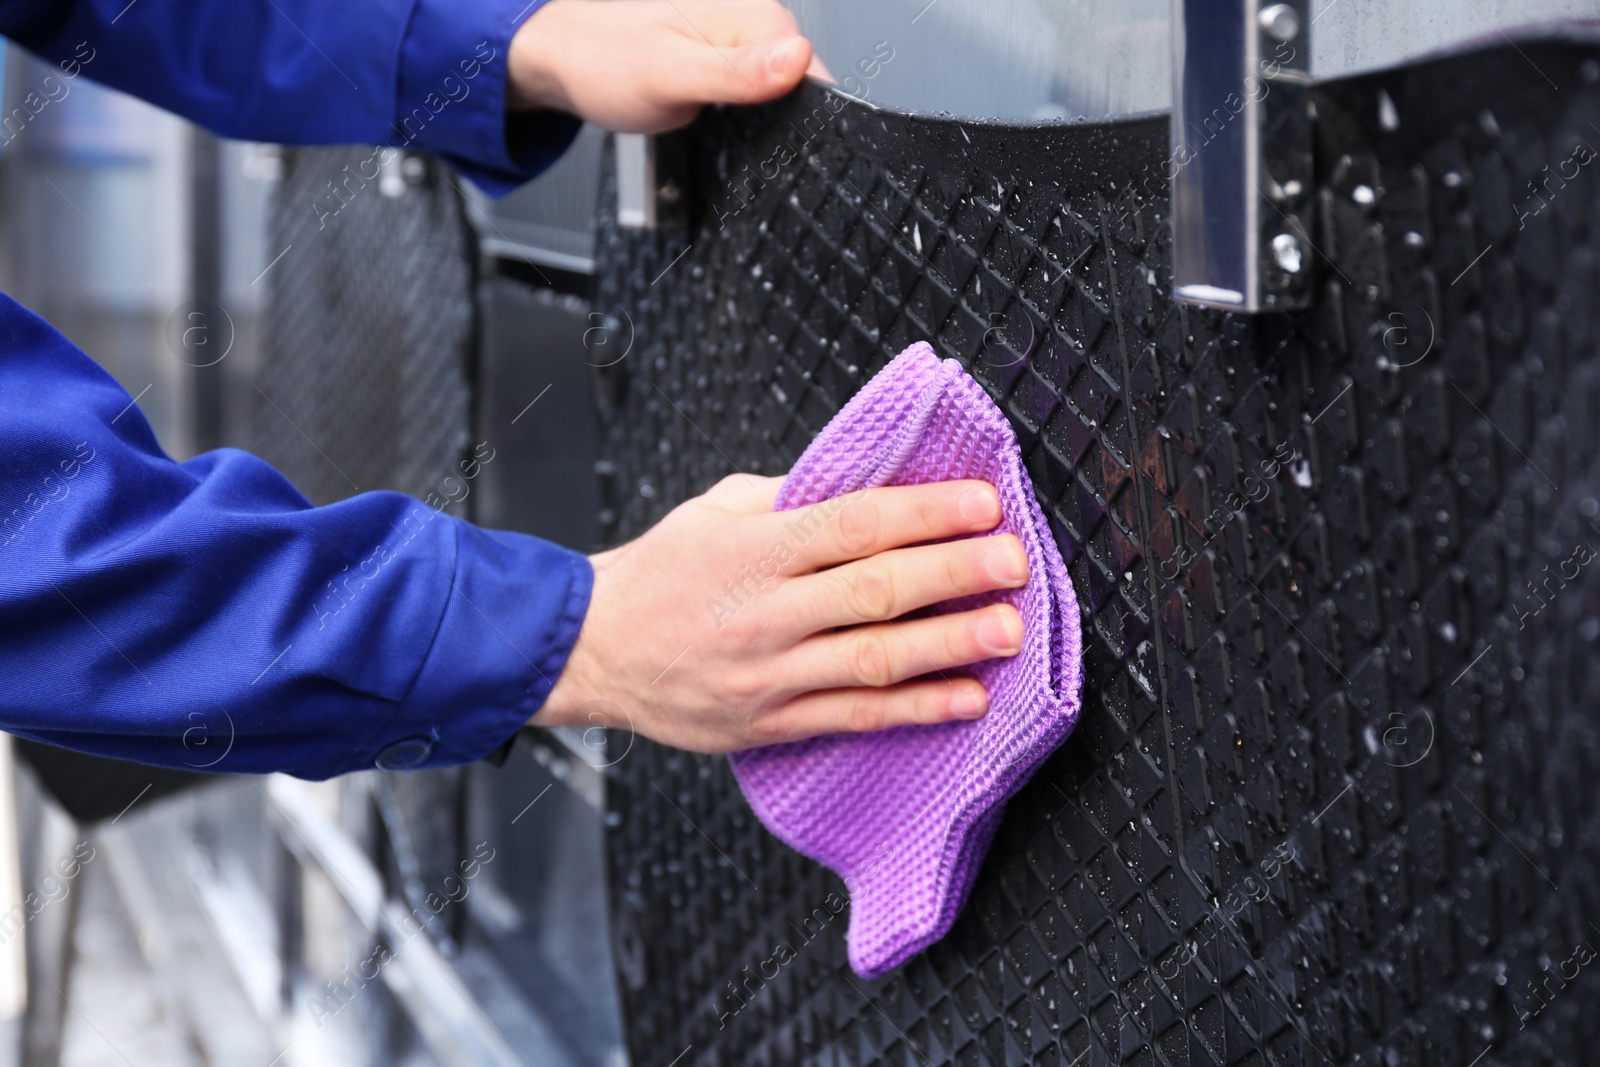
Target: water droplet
1286, 252
1363, 195
1388, 114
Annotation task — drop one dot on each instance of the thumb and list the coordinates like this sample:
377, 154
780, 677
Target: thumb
746, 74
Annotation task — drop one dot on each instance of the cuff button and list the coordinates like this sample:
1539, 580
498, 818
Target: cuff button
403, 755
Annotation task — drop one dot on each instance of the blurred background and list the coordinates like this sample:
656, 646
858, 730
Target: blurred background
178, 919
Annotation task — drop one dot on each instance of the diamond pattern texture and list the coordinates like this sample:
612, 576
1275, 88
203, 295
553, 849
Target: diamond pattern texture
364, 379
1332, 797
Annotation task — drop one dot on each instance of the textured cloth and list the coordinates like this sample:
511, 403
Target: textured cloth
905, 816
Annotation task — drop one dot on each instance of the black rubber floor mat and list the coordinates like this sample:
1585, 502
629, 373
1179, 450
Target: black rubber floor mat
365, 379
1333, 797
93, 788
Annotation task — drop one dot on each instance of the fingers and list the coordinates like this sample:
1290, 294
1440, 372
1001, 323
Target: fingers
697, 69
862, 524
726, 23
886, 654
901, 580
865, 710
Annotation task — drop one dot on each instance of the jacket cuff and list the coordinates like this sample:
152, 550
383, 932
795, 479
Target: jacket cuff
515, 607
451, 95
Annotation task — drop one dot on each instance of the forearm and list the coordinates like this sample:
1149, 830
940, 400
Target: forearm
411, 73
204, 615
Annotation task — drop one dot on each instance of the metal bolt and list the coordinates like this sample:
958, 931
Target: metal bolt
1280, 21
1286, 251
391, 180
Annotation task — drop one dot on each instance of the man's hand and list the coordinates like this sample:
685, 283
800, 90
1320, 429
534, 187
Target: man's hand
729, 625
644, 66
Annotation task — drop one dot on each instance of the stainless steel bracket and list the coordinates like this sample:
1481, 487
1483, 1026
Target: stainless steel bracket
1241, 164
650, 189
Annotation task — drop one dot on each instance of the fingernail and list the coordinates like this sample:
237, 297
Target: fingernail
969, 703
785, 55
980, 507
995, 635
1007, 564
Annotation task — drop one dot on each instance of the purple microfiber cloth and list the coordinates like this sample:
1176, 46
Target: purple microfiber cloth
906, 815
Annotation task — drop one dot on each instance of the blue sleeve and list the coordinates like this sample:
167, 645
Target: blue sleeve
409, 73
204, 615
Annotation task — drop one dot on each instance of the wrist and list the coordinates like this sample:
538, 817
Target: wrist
570, 700
567, 696
533, 78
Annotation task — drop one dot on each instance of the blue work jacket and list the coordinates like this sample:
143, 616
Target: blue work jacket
203, 614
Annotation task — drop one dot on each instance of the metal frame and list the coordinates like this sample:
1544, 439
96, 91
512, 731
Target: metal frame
650, 181
1241, 154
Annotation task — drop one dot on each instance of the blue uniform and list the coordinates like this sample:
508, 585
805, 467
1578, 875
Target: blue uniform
204, 614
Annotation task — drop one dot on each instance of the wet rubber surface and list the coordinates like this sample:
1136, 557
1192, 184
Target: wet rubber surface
1333, 795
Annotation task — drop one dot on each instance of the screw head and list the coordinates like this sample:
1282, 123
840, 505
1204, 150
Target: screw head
1286, 252
1280, 21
